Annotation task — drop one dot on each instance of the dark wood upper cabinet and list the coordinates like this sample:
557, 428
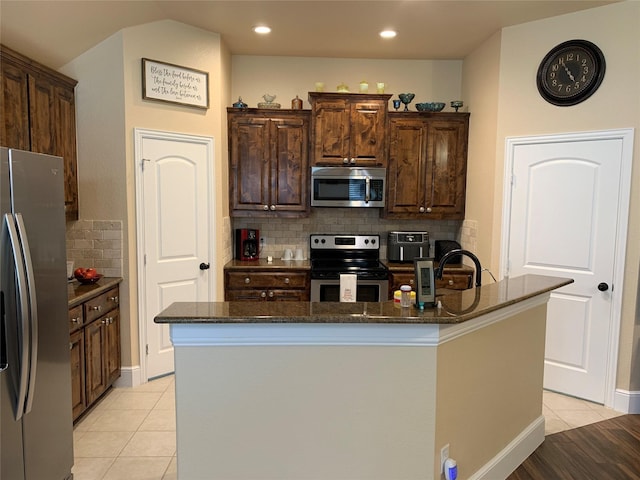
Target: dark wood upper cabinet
268, 162
38, 114
427, 165
348, 129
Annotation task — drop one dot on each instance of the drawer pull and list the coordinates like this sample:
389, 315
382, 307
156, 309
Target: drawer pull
451, 282
114, 299
247, 280
97, 308
286, 280
270, 294
75, 320
263, 294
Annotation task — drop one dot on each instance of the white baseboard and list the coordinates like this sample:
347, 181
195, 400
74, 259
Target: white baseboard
129, 377
512, 456
626, 401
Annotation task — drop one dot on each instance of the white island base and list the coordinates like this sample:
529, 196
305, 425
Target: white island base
360, 400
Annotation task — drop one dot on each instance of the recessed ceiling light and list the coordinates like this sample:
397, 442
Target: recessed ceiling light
262, 29
388, 33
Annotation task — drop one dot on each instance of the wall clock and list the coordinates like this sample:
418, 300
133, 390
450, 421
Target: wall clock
571, 72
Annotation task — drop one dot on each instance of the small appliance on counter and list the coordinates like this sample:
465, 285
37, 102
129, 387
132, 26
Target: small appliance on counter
247, 244
444, 246
407, 246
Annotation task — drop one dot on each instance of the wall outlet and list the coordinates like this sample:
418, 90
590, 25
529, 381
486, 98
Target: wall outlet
444, 454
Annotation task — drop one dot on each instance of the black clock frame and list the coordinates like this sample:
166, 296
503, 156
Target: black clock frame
599, 66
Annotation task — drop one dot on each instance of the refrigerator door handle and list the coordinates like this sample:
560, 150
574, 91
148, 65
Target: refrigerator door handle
33, 310
22, 309
4, 353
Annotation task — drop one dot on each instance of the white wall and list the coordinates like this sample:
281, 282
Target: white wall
521, 111
286, 77
110, 105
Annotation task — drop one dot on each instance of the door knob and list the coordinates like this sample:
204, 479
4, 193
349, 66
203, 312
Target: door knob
603, 287
204, 266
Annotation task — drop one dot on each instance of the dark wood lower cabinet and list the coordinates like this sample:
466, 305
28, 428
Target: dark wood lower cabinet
95, 348
453, 278
78, 388
266, 285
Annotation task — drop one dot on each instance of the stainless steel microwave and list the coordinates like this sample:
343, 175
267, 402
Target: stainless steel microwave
347, 187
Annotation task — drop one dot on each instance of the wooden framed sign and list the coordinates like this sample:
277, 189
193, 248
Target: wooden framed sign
170, 83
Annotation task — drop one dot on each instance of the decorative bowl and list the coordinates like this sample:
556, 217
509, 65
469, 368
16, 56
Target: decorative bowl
89, 281
406, 97
430, 106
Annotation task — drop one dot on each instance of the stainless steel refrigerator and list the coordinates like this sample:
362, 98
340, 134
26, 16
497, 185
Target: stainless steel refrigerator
36, 426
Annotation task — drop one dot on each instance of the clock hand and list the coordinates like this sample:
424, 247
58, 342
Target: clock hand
568, 71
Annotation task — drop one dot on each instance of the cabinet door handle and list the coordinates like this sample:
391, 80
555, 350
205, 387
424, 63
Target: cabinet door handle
265, 207
273, 207
428, 209
421, 210
345, 160
353, 160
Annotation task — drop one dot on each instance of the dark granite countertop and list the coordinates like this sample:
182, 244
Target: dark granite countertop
278, 264
457, 307
78, 293
263, 265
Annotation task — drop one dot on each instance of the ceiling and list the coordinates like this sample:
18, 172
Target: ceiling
55, 32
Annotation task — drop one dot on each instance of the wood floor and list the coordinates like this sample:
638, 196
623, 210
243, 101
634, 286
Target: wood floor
608, 450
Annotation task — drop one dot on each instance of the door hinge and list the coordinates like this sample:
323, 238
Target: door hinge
146, 349
142, 162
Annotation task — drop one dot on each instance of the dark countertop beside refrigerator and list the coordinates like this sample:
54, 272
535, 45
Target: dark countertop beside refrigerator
78, 293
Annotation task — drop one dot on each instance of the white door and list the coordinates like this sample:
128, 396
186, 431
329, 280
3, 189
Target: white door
175, 226
564, 219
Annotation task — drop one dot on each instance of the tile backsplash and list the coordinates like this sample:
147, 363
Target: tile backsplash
96, 243
281, 233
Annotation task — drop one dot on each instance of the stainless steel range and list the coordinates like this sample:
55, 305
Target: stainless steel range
332, 255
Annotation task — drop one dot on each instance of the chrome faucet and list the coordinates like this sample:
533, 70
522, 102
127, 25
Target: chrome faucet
451, 253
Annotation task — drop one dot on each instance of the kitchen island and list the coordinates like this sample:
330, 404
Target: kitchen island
299, 390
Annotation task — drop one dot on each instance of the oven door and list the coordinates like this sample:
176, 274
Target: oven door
367, 290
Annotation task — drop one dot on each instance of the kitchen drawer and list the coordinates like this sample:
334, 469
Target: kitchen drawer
98, 306
76, 318
451, 281
271, 280
266, 295
454, 282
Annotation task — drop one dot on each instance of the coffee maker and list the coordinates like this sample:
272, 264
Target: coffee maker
247, 244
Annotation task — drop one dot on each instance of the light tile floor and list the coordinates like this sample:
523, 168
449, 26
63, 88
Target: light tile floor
130, 434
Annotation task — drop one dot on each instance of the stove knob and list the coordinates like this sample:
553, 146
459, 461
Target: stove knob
366, 241
315, 240
323, 241
373, 241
